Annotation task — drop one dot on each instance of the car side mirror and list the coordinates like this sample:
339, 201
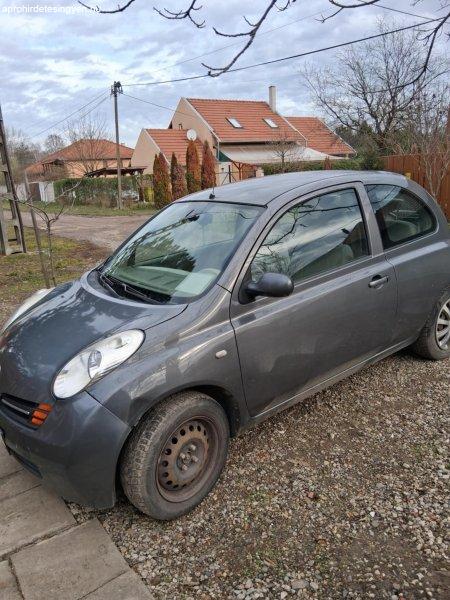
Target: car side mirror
274, 285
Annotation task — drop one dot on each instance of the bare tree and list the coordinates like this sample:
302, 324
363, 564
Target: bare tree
22, 151
88, 136
53, 143
284, 148
49, 216
431, 29
367, 87
426, 136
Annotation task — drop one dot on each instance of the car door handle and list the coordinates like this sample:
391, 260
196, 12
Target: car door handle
378, 281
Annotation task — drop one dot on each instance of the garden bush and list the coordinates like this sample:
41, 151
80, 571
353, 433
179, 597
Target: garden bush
103, 191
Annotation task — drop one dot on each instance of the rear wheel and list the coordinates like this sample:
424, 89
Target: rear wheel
175, 456
434, 339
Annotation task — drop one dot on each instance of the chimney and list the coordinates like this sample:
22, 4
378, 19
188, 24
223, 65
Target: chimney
273, 97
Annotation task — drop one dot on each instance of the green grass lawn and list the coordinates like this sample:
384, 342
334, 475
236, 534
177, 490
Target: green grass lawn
20, 274
89, 210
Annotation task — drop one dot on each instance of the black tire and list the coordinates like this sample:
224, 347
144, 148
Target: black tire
175, 455
427, 345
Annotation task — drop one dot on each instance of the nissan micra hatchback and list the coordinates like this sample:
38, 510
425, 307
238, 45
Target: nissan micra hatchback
225, 307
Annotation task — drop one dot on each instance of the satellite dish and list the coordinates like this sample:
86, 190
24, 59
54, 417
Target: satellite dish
191, 135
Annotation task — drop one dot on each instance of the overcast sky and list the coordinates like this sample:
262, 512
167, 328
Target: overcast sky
53, 63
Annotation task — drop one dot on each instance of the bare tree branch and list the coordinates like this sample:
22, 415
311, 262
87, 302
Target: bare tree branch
120, 8
250, 34
182, 14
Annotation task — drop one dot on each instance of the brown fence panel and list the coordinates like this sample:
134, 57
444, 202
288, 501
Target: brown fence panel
409, 165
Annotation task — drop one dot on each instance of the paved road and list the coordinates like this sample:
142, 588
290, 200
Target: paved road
107, 232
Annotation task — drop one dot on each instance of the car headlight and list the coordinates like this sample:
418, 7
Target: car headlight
95, 361
29, 302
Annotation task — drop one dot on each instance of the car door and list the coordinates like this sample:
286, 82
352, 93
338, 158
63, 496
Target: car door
343, 306
416, 248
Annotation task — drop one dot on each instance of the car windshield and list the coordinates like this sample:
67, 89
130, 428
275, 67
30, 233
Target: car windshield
179, 253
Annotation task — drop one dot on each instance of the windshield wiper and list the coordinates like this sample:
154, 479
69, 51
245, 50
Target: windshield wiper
129, 289
105, 281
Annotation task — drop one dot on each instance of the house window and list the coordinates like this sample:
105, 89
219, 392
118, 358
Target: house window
270, 123
234, 122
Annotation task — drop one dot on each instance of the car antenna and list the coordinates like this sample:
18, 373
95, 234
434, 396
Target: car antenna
212, 194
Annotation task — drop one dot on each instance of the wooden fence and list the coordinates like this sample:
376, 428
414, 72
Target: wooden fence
409, 165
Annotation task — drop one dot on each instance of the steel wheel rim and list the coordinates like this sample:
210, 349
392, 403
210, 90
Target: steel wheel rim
443, 327
187, 459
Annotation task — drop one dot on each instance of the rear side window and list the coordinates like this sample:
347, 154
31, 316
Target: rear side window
318, 235
401, 216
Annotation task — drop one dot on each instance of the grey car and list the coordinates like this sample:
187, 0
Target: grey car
225, 307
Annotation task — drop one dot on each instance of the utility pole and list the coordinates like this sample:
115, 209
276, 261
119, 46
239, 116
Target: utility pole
116, 89
15, 222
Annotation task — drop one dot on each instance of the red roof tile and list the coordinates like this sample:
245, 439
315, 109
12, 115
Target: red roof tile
83, 150
319, 136
250, 114
173, 140
89, 149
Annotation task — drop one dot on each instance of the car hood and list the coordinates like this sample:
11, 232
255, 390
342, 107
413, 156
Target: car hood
41, 341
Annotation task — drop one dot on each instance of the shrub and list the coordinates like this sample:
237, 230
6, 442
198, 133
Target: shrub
193, 173
208, 167
97, 191
343, 163
161, 182
179, 188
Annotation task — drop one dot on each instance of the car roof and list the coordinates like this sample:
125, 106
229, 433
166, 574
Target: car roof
260, 191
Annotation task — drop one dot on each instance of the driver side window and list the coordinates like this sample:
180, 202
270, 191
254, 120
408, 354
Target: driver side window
316, 236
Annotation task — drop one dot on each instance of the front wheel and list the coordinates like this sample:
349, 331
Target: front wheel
434, 339
175, 456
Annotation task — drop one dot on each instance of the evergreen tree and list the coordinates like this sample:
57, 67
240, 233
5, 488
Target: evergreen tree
173, 165
193, 171
208, 167
161, 182
179, 187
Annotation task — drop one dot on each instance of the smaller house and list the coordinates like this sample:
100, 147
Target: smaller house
79, 159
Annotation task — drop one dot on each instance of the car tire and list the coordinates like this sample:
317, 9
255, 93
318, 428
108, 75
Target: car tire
175, 455
428, 345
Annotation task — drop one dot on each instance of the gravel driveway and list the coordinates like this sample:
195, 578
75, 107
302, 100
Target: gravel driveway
107, 232
344, 496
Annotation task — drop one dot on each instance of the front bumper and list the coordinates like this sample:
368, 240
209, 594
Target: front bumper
75, 452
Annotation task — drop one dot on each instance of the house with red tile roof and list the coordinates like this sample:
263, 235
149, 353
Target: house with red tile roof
78, 159
244, 134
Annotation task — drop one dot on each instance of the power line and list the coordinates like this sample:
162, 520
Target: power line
284, 58
96, 97
396, 10
68, 116
55, 125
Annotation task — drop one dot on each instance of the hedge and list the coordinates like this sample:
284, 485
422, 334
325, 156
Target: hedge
103, 191
343, 163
